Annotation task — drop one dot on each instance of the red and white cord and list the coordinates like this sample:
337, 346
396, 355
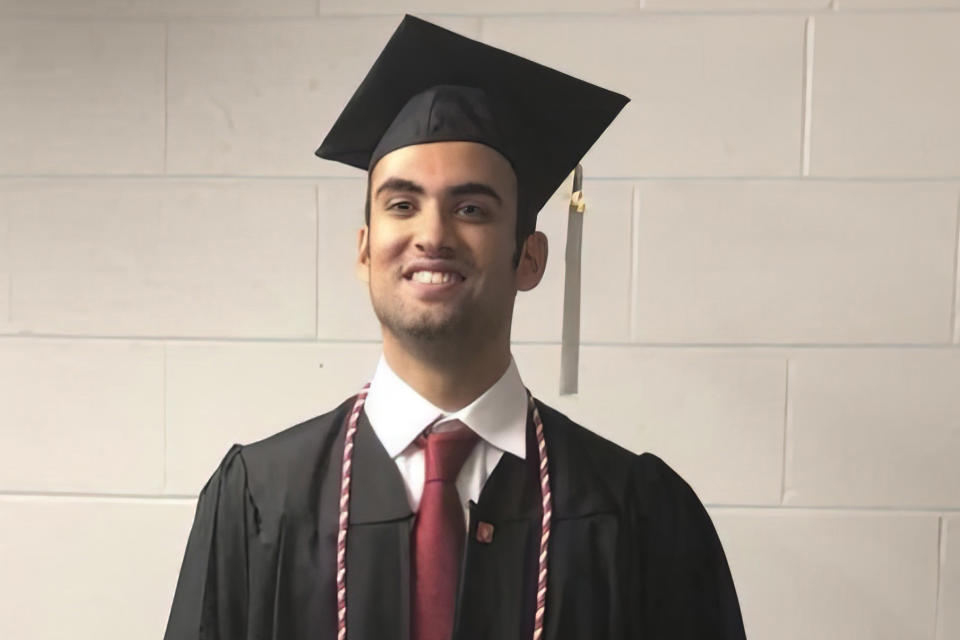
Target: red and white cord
345, 513
545, 517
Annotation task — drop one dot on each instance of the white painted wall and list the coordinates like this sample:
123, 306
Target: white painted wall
770, 281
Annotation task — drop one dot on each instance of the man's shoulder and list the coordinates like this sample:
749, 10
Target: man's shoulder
572, 435
595, 466
302, 441
283, 471
589, 472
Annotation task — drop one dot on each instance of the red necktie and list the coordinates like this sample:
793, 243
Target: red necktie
438, 535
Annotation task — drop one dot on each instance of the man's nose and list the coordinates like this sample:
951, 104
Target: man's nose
434, 235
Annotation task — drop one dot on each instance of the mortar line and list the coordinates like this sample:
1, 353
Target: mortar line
316, 263
632, 277
940, 512
786, 430
166, 94
941, 558
839, 509
314, 17
294, 179
806, 118
7, 247
94, 496
955, 326
163, 414
308, 341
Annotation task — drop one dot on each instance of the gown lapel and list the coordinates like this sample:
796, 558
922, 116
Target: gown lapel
498, 578
378, 544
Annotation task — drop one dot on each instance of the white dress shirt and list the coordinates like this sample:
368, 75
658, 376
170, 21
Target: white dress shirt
398, 414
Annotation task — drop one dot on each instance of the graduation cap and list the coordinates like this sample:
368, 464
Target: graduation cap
430, 84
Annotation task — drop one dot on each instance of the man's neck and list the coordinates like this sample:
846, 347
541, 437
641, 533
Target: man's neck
450, 382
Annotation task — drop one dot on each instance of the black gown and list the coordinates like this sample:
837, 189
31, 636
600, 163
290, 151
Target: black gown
633, 553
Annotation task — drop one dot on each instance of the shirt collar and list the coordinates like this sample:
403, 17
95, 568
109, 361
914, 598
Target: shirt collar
398, 414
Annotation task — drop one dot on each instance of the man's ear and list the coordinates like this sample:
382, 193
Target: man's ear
533, 261
363, 253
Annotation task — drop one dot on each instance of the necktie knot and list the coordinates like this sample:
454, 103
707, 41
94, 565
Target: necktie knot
446, 451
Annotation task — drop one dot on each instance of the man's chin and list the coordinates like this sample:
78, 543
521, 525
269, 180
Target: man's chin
429, 331
424, 328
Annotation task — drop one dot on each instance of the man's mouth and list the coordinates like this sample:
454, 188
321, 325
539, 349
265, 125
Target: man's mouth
435, 277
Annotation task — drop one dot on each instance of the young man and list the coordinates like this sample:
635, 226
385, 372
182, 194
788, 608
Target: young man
444, 502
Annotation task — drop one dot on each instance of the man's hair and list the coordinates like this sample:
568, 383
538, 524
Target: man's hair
526, 224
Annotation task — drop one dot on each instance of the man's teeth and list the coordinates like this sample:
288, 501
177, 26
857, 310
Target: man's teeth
433, 277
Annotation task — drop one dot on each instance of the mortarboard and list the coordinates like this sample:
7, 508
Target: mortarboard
430, 84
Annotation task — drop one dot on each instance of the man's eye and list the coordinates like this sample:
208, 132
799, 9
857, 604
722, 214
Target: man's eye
471, 211
403, 205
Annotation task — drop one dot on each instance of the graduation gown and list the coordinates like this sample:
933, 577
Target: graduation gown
633, 553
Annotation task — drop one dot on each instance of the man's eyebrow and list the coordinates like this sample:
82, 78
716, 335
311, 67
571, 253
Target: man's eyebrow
399, 184
474, 188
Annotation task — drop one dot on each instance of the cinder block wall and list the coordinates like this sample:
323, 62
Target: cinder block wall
770, 281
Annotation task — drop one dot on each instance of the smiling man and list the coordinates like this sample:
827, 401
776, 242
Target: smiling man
442, 501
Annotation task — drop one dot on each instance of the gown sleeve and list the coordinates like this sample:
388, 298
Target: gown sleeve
688, 590
210, 601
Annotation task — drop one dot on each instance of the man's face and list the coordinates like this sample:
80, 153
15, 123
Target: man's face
437, 253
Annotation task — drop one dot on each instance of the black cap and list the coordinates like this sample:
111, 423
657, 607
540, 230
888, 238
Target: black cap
431, 84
